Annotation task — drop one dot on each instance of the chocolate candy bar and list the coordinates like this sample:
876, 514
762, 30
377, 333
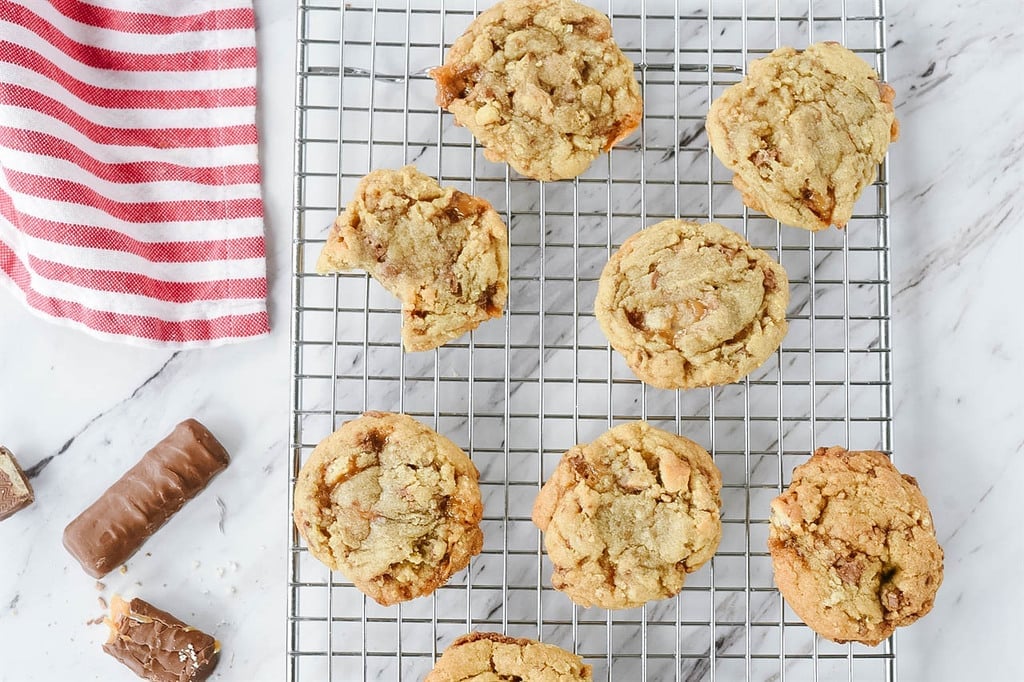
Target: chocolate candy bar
110, 531
156, 645
15, 490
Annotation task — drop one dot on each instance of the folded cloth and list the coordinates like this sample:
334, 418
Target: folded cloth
129, 183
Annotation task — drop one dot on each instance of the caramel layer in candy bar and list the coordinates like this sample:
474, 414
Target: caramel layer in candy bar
110, 531
15, 490
156, 645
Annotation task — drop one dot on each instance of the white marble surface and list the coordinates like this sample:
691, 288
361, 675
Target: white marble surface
80, 411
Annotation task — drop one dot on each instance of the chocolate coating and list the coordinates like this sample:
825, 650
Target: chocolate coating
15, 490
156, 645
114, 527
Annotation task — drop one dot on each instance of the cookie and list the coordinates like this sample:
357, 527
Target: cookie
690, 305
489, 656
626, 517
391, 504
542, 85
853, 546
804, 133
442, 252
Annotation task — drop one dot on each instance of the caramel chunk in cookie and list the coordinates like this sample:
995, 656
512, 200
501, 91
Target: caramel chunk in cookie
626, 517
804, 133
490, 656
853, 546
442, 252
542, 85
392, 504
692, 305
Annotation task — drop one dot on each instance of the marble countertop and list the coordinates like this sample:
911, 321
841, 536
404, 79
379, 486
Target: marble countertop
75, 409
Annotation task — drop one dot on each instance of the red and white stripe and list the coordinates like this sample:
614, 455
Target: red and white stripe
129, 183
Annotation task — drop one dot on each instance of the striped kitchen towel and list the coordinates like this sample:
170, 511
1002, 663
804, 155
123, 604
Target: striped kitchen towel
129, 183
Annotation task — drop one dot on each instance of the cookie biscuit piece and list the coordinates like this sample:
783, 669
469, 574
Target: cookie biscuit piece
542, 85
853, 546
392, 504
626, 517
804, 133
692, 305
490, 656
443, 252
15, 489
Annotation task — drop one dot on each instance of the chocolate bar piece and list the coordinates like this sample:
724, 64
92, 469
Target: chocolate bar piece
15, 490
156, 645
110, 531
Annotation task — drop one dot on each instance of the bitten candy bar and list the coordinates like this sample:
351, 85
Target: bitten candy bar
156, 645
110, 531
15, 490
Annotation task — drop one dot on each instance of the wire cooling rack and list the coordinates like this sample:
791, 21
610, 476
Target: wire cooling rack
520, 390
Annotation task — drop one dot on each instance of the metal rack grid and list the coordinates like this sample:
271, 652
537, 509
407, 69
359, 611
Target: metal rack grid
520, 390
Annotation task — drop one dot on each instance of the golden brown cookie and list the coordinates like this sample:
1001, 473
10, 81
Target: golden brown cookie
804, 133
626, 517
853, 546
692, 305
393, 505
488, 656
442, 252
542, 85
